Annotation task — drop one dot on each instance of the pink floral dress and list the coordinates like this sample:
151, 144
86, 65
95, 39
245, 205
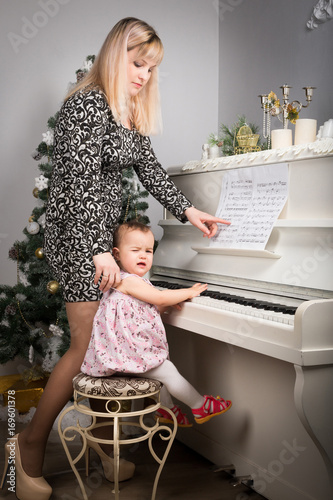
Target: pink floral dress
128, 336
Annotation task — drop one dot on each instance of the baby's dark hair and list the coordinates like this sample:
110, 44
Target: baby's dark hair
128, 226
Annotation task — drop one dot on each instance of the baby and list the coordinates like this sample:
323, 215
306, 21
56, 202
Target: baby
128, 333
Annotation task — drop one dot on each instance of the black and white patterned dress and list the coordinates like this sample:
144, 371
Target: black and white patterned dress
90, 152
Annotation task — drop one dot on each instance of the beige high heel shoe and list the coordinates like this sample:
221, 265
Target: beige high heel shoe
25, 487
126, 469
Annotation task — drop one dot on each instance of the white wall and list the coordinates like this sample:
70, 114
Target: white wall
44, 42
265, 44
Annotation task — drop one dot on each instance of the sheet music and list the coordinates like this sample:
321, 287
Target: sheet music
251, 199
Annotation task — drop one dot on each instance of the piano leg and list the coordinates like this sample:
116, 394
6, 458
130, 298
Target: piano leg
314, 405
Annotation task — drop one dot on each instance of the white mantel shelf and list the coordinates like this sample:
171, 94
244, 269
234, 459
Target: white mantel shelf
317, 149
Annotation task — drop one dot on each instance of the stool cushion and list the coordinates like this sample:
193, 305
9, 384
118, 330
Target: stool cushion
115, 386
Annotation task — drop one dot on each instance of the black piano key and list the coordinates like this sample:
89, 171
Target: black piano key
289, 310
259, 304
276, 308
249, 302
214, 294
158, 283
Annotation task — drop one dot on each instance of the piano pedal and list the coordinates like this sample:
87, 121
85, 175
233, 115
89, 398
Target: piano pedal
230, 469
238, 480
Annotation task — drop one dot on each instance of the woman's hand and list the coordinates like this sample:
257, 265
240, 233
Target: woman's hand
205, 222
107, 268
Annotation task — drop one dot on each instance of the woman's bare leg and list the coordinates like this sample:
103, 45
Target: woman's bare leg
59, 388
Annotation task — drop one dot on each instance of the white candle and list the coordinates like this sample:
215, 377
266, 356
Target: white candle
305, 131
281, 138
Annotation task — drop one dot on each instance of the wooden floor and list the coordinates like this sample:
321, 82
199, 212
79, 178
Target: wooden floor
186, 475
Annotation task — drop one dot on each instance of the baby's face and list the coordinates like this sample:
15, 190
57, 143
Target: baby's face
135, 252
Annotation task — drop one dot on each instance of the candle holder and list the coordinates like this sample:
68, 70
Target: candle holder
287, 111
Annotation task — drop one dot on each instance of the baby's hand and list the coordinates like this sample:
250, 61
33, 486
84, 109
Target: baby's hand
167, 310
196, 289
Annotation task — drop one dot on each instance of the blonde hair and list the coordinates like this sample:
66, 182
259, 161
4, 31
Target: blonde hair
109, 73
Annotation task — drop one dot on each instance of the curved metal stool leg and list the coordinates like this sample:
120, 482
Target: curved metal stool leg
116, 430
172, 434
64, 438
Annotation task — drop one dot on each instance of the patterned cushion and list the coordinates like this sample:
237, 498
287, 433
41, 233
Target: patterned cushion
115, 386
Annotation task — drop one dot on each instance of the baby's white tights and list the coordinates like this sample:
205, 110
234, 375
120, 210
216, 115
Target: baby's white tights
176, 384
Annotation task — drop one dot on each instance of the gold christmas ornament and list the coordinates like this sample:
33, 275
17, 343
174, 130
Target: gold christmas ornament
39, 253
35, 192
52, 287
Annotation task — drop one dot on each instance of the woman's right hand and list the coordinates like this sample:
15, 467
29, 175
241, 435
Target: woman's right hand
107, 268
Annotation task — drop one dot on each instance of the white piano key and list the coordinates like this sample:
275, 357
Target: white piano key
246, 310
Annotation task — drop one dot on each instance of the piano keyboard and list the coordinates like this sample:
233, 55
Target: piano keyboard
250, 306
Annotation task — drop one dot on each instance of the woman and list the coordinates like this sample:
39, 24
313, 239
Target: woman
102, 128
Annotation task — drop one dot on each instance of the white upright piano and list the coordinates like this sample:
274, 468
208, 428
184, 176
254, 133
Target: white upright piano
263, 334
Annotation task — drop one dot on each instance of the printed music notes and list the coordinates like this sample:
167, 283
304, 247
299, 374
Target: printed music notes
251, 199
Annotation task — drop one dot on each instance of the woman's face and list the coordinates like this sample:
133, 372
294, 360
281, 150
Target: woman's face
138, 72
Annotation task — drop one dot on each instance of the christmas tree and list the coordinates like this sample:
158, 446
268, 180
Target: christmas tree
33, 317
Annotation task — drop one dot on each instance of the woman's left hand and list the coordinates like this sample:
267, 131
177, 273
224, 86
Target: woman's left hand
205, 222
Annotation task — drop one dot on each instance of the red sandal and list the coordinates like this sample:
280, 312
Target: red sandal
165, 418
211, 407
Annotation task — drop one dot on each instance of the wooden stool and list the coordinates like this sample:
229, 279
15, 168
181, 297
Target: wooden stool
115, 390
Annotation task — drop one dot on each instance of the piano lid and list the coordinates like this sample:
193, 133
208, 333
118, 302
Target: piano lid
298, 258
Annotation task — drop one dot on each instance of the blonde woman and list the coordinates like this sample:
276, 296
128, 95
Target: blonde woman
103, 127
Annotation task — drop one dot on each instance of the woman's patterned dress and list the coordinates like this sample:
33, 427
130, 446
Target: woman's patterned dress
128, 336
90, 152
